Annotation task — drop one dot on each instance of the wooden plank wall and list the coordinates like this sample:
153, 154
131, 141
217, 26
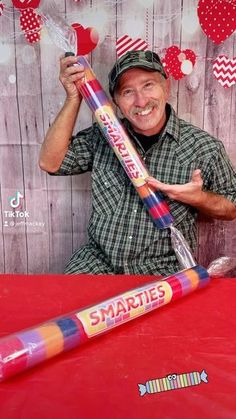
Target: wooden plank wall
59, 207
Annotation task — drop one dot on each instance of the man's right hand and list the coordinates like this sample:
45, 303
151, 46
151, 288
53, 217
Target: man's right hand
69, 74
59, 134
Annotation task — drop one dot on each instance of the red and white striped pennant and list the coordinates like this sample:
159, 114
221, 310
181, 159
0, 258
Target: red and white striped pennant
2, 5
224, 70
126, 43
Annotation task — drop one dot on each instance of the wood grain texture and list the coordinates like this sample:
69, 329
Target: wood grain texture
59, 208
14, 233
219, 120
166, 35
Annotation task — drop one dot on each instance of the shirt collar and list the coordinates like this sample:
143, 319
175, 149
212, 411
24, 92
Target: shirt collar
172, 127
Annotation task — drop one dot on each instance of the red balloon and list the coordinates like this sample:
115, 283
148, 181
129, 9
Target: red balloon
87, 39
25, 4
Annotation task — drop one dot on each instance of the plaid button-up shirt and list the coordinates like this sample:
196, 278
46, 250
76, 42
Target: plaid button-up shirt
122, 237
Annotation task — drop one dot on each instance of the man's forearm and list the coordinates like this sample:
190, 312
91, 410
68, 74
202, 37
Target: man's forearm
58, 137
216, 206
191, 193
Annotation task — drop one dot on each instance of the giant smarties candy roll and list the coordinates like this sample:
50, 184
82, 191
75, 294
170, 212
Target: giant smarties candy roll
117, 137
24, 349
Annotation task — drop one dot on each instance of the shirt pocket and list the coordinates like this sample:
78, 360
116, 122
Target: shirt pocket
107, 190
184, 167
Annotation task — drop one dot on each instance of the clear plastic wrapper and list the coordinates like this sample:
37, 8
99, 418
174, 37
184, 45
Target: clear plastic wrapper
63, 35
222, 266
182, 249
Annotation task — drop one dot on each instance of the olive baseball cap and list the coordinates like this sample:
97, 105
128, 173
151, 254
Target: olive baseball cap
148, 60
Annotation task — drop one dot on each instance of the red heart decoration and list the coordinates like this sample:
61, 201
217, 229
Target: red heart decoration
2, 5
125, 43
217, 18
30, 24
178, 63
224, 70
87, 39
25, 4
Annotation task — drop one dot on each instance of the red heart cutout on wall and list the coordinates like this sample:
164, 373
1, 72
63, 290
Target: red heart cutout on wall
2, 5
25, 4
30, 24
217, 18
178, 63
87, 39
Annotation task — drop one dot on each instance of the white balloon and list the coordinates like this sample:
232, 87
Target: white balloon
12, 78
187, 67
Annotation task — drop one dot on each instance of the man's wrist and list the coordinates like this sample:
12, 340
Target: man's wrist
201, 199
73, 101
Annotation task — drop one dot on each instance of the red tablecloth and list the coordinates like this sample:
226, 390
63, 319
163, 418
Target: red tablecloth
100, 379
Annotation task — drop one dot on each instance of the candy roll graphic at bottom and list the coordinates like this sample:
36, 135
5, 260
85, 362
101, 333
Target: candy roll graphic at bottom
30, 347
173, 382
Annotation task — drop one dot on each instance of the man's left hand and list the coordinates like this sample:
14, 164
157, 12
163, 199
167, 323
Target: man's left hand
190, 193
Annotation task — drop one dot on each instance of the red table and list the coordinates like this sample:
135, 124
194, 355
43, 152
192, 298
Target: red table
100, 379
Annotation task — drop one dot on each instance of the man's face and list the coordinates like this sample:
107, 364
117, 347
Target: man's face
141, 96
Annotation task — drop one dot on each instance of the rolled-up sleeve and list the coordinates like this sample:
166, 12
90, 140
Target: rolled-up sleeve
223, 179
79, 156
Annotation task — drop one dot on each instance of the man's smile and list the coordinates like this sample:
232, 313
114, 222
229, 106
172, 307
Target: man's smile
144, 112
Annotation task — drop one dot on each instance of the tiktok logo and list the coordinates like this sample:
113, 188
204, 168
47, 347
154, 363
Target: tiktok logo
16, 200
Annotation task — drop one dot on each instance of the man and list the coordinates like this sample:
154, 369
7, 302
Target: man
187, 164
